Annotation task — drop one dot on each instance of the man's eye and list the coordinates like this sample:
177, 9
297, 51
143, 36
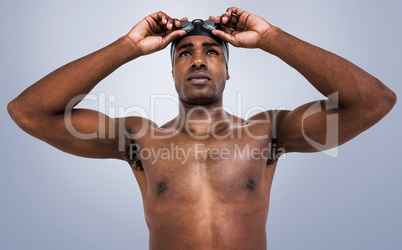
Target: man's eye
184, 53
212, 51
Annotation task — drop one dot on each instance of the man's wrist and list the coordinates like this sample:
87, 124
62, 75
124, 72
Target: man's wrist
267, 40
132, 50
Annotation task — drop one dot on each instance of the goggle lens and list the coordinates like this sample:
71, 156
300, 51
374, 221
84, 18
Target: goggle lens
188, 26
209, 24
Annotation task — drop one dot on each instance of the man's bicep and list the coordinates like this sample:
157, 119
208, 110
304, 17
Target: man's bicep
87, 133
316, 126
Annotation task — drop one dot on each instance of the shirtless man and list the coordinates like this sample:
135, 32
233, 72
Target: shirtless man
217, 197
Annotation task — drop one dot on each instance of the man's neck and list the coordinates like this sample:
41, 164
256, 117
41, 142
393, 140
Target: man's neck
202, 120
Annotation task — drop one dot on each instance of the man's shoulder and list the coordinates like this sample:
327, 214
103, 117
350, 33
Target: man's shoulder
269, 115
135, 124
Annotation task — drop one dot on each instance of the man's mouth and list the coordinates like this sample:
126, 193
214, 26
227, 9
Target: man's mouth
198, 78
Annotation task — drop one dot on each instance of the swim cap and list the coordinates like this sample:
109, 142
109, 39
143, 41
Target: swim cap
199, 27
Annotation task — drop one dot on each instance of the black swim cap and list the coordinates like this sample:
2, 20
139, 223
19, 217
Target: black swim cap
199, 30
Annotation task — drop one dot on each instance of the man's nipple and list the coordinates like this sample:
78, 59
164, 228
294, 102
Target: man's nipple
162, 186
251, 184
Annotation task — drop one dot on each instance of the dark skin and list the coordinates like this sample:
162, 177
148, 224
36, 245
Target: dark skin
213, 198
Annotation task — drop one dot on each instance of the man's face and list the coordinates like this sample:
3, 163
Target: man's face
199, 70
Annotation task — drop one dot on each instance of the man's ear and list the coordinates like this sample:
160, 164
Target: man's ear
172, 74
227, 74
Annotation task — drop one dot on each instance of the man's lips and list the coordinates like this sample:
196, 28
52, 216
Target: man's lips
198, 78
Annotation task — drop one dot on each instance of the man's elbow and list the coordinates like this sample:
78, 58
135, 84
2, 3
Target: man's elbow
17, 114
12, 109
381, 102
392, 99
387, 101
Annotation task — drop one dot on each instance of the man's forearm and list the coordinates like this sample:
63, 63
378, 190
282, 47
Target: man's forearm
327, 72
51, 94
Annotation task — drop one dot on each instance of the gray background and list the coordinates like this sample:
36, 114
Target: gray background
52, 200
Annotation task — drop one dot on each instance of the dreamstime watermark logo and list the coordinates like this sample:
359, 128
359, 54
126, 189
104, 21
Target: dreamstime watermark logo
318, 120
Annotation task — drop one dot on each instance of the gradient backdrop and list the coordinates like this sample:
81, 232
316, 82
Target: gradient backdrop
52, 200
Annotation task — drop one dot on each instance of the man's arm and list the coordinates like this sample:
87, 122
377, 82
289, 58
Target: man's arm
42, 109
358, 99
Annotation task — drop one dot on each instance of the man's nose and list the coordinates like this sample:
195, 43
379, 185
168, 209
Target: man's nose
199, 62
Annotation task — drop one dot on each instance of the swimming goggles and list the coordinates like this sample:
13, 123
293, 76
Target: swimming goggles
188, 26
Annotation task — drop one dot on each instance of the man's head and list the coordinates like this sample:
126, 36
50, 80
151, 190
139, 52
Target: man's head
199, 61
198, 27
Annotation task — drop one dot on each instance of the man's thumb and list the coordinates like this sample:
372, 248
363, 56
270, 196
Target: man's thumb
172, 36
225, 37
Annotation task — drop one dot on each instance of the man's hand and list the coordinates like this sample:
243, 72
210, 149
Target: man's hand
155, 32
241, 28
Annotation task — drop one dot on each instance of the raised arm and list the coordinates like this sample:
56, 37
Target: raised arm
356, 99
45, 109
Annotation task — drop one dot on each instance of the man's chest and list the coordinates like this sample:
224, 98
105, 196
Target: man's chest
221, 165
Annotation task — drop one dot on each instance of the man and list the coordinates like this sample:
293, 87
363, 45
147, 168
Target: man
211, 188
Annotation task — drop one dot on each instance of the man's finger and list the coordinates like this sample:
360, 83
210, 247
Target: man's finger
225, 37
230, 25
162, 17
176, 23
153, 24
229, 12
159, 17
156, 23
227, 29
236, 11
169, 23
224, 18
242, 23
233, 19
171, 36
163, 20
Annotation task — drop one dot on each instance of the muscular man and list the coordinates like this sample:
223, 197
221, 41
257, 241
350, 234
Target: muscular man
209, 186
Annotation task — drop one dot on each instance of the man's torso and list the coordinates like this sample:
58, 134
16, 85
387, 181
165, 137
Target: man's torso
205, 190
